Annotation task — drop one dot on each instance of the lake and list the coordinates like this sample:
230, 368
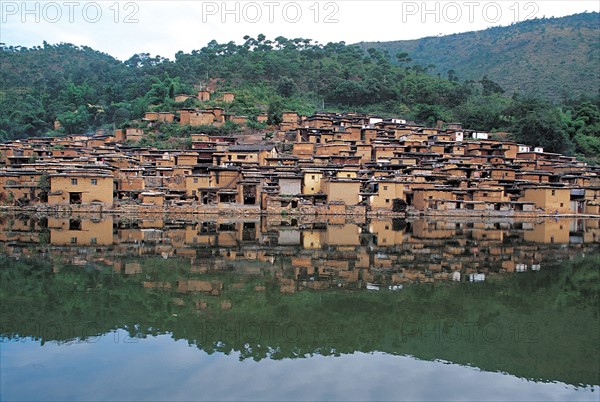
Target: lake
282, 308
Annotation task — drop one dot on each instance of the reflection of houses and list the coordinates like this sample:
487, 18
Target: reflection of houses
549, 232
70, 232
312, 256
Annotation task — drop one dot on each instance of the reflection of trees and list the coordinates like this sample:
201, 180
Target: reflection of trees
540, 325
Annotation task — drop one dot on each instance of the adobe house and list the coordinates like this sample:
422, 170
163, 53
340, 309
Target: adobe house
331, 149
133, 134
317, 121
129, 184
241, 120
533, 176
186, 159
255, 154
203, 96
166, 160
201, 137
365, 151
81, 232
404, 160
486, 194
303, 149
457, 136
184, 116
282, 161
228, 97
183, 97
218, 113
65, 153
119, 135
312, 181
210, 117
194, 183
346, 191
503, 174
368, 135
262, 118
224, 178
346, 173
20, 186
151, 116
550, 199
166, 117
289, 117
248, 192
290, 185
350, 133
383, 193
152, 198
81, 188
421, 196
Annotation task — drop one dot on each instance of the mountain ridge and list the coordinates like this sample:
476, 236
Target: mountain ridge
516, 56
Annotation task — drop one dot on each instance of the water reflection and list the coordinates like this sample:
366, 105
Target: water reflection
386, 253
509, 297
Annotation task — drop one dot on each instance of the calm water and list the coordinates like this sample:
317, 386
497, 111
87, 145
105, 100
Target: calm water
115, 308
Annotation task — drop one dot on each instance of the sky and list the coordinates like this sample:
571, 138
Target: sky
123, 28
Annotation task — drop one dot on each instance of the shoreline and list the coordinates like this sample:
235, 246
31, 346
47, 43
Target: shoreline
235, 212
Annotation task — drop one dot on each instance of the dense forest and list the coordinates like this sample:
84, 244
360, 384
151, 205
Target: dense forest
85, 90
553, 58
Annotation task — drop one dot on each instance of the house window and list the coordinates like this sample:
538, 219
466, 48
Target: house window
93, 240
553, 192
385, 187
312, 177
561, 204
195, 180
73, 182
73, 240
387, 200
94, 182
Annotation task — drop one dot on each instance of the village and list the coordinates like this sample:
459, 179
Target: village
324, 164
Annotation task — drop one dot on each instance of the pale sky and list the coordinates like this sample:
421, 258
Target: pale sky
122, 28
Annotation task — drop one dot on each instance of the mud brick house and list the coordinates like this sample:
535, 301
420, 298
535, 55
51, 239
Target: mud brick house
331, 162
81, 188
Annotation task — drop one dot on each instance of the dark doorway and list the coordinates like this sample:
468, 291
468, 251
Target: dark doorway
74, 198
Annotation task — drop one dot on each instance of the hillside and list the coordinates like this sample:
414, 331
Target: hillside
67, 89
554, 58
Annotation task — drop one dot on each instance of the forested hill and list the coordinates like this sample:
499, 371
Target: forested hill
83, 90
554, 58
